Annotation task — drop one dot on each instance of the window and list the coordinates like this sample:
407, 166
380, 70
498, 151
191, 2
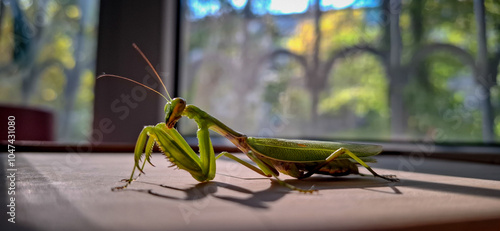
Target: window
331, 70
47, 66
356, 70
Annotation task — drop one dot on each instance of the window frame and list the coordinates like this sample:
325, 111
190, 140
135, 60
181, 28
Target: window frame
163, 19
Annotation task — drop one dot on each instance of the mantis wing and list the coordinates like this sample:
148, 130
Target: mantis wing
307, 150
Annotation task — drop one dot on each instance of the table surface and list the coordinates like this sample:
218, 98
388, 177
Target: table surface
69, 191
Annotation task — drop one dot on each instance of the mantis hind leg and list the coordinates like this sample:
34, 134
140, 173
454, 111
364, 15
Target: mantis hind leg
340, 152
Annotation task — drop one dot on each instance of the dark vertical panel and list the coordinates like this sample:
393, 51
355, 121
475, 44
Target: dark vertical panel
121, 109
177, 62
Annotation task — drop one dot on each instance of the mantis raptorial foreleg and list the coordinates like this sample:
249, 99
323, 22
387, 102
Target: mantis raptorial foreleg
144, 145
177, 150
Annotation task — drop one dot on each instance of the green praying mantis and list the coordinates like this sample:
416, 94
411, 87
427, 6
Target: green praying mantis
296, 158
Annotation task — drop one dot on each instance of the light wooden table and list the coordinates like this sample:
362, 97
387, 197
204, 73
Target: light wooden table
63, 191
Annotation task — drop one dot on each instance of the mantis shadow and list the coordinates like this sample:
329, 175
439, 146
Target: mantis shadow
206, 189
261, 199
322, 183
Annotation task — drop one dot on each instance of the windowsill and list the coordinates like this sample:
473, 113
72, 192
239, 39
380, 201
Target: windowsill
63, 191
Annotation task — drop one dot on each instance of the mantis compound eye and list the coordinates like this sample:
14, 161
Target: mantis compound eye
173, 111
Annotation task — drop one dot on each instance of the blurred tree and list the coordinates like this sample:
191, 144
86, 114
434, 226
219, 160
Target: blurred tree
49, 53
422, 49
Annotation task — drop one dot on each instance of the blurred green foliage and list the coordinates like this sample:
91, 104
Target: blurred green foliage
60, 56
441, 96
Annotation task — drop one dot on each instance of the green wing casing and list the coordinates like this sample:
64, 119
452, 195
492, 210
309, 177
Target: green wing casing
307, 150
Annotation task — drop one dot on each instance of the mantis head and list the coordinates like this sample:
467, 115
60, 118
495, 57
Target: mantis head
173, 111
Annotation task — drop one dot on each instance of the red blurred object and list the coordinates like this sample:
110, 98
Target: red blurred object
30, 123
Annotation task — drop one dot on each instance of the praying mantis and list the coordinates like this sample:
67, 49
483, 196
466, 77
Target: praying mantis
297, 158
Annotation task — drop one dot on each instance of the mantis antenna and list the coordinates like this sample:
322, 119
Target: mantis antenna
133, 81
154, 70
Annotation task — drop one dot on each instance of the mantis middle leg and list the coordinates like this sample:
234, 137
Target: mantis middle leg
264, 170
242, 162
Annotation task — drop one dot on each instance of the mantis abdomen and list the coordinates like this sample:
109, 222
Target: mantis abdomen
308, 150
